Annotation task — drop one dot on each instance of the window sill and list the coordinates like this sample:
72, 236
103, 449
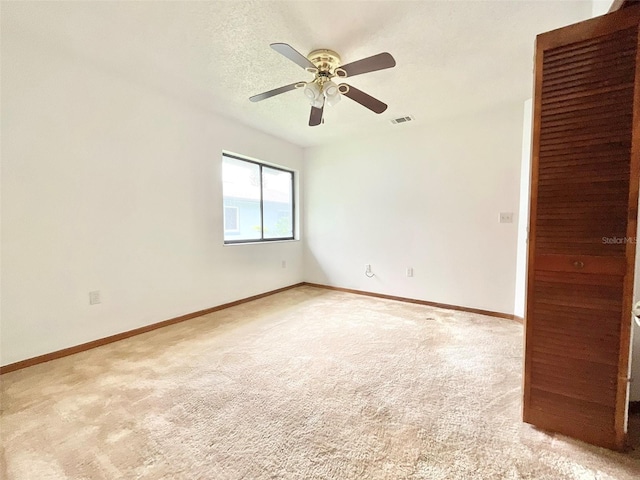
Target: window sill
261, 242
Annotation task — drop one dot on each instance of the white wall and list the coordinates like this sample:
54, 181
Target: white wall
523, 211
600, 7
110, 185
423, 196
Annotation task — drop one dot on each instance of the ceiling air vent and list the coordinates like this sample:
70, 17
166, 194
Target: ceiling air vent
402, 119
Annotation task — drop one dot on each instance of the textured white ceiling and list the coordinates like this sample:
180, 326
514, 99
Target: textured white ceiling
453, 57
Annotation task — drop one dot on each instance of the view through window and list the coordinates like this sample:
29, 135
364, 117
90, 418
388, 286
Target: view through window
258, 201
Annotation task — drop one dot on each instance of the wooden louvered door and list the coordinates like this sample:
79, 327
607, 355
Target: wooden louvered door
584, 199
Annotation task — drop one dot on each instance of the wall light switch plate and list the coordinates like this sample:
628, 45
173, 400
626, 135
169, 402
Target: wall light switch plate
94, 297
506, 217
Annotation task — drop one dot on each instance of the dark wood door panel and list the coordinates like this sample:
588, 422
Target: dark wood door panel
579, 296
577, 277
580, 106
566, 309
595, 319
591, 422
579, 380
585, 124
585, 137
604, 45
589, 81
597, 214
586, 413
588, 111
550, 297
583, 178
578, 208
553, 100
574, 158
582, 222
583, 331
583, 349
588, 69
584, 264
617, 220
587, 191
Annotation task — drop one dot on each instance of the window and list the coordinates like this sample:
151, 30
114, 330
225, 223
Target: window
231, 224
258, 201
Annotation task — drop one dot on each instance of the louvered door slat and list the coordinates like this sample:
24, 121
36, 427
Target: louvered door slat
585, 95
585, 130
589, 422
580, 266
595, 102
584, 45
587, 116
575, 159
583, 121
588, 78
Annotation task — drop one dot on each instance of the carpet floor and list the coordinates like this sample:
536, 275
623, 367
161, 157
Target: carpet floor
304, 384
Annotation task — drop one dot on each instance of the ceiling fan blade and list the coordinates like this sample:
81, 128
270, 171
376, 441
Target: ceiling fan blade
316, 116
292, 54
364, 99
369, 64
274, 92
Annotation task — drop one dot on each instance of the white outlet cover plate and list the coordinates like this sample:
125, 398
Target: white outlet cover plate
94, 297
506, 217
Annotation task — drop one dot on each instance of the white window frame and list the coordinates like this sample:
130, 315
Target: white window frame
293, 203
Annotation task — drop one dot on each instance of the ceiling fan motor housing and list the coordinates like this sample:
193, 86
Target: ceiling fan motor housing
326, 61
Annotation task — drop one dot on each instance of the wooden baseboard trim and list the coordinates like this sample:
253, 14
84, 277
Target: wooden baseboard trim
12, 367
419, 302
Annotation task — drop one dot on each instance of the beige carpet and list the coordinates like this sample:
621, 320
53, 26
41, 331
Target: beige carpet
305, 384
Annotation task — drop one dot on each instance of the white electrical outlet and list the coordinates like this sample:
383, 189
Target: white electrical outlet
409, 272
506, 217
94, 297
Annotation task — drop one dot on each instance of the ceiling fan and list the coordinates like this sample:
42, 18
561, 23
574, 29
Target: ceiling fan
325, 65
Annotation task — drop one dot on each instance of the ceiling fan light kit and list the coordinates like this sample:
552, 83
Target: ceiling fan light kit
312, 91
325, 65
331, 93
